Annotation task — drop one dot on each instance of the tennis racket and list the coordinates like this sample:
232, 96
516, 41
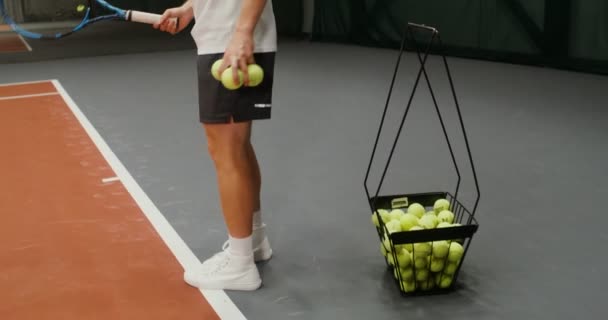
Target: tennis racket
82, 15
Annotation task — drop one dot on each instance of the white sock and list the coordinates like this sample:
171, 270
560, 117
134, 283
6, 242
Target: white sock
257, 219
241, 246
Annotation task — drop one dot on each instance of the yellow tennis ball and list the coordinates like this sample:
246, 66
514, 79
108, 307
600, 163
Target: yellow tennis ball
80, 8
215, 69
228, 81
256, 75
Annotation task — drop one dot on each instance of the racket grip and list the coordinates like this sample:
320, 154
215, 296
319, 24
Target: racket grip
144, 17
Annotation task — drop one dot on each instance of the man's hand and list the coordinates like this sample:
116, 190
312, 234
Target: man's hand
167, 23
239, 55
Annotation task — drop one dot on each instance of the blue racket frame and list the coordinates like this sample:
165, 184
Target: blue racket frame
118, 14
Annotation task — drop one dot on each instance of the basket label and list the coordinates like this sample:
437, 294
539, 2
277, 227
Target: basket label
400, 203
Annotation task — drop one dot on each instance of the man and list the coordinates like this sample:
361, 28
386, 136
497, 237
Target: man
240, 32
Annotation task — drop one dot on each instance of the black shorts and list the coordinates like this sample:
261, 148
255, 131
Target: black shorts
218, 104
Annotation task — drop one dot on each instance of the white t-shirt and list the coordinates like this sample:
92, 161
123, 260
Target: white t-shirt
215, 21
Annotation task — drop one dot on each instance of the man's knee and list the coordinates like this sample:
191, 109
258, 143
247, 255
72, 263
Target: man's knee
227, 148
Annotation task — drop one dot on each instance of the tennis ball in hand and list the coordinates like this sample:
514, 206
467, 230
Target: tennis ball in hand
456, 252
228, 81
446, 216
408, 221
440, 205
215, 70
256, 75
416, 209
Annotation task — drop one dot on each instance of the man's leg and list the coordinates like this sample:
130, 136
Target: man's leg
232, 269
229, 147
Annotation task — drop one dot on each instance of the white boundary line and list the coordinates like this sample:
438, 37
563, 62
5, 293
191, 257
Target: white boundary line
22, 83
27, 45
30, 96
218, 299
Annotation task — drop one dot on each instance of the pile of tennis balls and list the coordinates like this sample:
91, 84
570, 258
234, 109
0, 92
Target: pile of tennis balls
256, 75
427, 265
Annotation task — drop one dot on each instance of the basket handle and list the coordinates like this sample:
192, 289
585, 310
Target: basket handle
422, 71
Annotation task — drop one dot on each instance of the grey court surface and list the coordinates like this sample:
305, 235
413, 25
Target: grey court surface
538, 138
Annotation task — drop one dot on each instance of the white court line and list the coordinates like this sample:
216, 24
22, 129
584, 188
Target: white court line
218, 299
29, 96
108, 180
22, 83
27, 45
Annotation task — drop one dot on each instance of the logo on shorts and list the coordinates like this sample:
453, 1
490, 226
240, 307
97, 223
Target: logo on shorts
262, 105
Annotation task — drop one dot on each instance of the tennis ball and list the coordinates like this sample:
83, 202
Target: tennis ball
416, 209
391, 259
416, 228
446, 216
437, 265
387, 244
396, 214
443, 281
408, 221
440, 249
422, 274
393, 226
228, 82
404, 258
456, 252
384, 215
80, 8
420, 263
408, 286
256, 75
215, 69
383, 249
375, 221
407, 274
444, 225
450, 268
428, 221
422, 249
440, 205
431, 212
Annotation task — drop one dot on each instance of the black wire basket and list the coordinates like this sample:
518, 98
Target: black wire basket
424, 237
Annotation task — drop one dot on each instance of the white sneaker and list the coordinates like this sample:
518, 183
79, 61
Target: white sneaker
225, 271
261, 246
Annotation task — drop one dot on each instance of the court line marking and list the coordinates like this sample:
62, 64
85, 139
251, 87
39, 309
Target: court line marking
24, 83
108, 180
26, 96
217, 299
27, 45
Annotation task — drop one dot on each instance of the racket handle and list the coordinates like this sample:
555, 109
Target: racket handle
144, 17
